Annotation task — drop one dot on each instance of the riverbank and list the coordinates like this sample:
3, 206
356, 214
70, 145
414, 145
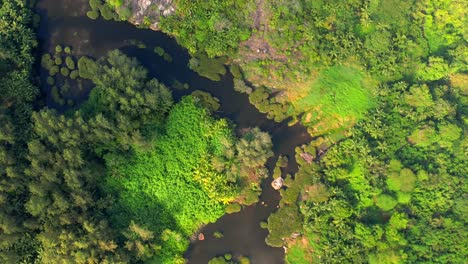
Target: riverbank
63, 24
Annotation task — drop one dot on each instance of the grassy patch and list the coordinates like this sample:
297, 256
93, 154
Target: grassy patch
338, 91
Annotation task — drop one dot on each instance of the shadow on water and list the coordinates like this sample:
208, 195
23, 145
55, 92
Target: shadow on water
64, 22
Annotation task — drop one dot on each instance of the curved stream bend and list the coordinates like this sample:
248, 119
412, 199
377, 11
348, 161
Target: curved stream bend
65, 22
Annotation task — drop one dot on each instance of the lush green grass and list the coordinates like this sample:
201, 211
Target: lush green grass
174, 186
338, 91
296, 256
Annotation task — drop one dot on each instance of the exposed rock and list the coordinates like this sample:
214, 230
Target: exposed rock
277, 183
295, 235
201, 237
307, 157
150, 9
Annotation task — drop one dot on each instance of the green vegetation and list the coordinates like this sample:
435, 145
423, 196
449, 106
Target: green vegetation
227, 259
233, 208
58, 49
207, 100
64, 71
161, 52
87, 67
218, 234
212, 69
99, 7
214, 27
16, 104
390, 193
127, 176
335, 100
58, 61
70, 63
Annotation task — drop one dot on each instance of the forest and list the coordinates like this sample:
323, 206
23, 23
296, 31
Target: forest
96, 183
132, 173
382, 88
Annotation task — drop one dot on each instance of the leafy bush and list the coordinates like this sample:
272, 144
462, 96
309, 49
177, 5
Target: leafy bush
70, 63
212, 69
74, 74
233, 208
46, 61
50, 80
87, 68
64, 71
93, 14
58, 49
58, 61
54, 70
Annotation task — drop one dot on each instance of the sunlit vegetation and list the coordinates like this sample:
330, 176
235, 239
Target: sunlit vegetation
390, 193
337, 99
126, 177
212, 27
130, 175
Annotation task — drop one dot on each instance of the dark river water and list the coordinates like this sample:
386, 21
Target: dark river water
64, 22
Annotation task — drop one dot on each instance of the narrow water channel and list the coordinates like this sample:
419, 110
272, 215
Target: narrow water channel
64, 22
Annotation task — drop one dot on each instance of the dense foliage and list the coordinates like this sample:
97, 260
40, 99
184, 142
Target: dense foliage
127, 176
393, 192
158, 182
305, 58
130, 175
384, 85
17, 96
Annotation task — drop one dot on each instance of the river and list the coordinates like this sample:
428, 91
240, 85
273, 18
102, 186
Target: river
64, 22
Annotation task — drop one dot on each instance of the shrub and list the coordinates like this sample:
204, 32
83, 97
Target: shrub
207, 100
58, 61
92, 14
244, 260
218, 234
107, 12
386, 202
160, 51
87, 68
58, 49
251, 197
218, 260
70, 63
64, 71
46, 61
233, 208
180, 86
125, 13
74, 74
206, 67
95, 4
67, 50
54, 70
50, 80
167, 57
56, 96
241, 87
